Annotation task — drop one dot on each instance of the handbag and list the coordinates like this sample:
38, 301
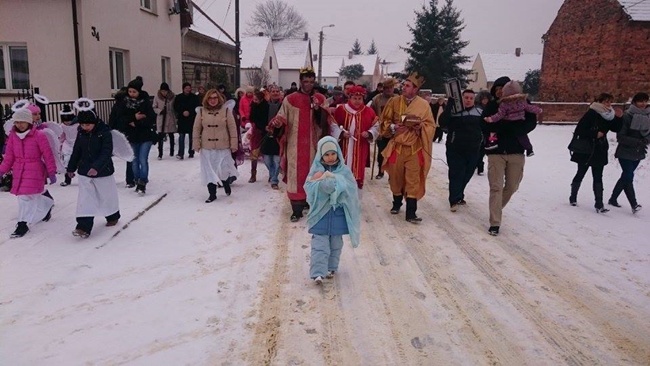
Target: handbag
581, 145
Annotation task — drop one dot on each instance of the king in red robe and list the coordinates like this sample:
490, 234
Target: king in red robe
356, 127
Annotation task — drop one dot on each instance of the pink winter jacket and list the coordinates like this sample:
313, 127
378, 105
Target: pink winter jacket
31, 161
245, 104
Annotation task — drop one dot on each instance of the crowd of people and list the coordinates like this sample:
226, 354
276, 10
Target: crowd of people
309, 135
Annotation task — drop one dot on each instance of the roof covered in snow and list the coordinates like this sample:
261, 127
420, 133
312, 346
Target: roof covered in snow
638, 10
331, 65
367, 61
292, 53
202, 25
253, 50
509, 64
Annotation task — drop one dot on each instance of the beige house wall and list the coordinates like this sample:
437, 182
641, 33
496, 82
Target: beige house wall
46, 28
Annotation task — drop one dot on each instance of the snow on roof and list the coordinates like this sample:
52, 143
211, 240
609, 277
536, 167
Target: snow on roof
292, 53
202, 25
508, 64
331, 66
253, 51
394, 60
367, 61
638, 10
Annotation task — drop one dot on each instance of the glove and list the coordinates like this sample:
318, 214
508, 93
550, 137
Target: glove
92, 172
52, 178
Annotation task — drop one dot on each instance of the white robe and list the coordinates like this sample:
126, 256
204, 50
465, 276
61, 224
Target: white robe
33, 208
216, 165
97, 196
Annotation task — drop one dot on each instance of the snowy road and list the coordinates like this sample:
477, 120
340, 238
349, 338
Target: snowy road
227, 283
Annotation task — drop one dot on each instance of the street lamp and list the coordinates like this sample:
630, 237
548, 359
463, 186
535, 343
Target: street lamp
320, 52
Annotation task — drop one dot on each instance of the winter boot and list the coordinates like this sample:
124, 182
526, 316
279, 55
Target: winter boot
141, 188
598, 196
573, 198
253, 172
67, 181
618, 188
411, 208
296, 207
630, 194
212, 190
21, 230
397, 204
226, 187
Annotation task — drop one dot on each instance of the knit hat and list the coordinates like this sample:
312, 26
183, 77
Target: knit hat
327, 147
136, 83
164, 86
22, 115
34, 108
87, 117
497, 83
512, 87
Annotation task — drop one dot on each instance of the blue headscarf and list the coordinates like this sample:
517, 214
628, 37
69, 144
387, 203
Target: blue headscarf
345, 191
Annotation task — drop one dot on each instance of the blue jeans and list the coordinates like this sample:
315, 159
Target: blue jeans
181, 144
272, 163
141, 161
325, 254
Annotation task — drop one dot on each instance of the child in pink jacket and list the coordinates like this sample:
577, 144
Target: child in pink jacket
29, 156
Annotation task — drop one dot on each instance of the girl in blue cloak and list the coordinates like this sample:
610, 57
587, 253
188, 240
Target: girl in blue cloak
334, 208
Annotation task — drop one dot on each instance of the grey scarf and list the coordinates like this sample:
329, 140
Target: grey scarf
607, 113
640, 119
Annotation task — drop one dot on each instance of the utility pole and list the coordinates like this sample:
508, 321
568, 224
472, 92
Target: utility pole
237, 47
320, 53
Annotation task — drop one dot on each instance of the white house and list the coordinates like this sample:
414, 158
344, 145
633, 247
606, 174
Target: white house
371, 70
330, 74
258, 56
293, 54
116, 42
488, 67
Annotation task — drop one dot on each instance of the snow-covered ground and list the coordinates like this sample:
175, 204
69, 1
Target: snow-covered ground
226, 283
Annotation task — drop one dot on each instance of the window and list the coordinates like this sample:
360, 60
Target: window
14, 67
117, 62
148, 5
165, 68
270, 62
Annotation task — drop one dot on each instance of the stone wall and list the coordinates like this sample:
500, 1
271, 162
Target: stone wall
593, 47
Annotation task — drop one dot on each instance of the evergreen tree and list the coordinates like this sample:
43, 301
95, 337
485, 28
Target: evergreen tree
435, 51
531, 82
356, 47
351, 72
372, 50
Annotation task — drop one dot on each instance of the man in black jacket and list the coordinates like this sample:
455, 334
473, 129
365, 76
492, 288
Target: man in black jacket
506, 162
464, 140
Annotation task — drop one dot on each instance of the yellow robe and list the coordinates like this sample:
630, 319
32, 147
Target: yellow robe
408, 154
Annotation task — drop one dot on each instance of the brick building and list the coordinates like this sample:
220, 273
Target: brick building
596, 46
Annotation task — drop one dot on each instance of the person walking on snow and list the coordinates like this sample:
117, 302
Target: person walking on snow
29, 155
332, 195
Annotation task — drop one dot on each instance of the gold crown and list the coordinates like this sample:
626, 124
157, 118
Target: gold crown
416, 79
307, 70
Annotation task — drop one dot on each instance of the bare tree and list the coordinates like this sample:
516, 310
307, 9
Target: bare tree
258, 77
276, 19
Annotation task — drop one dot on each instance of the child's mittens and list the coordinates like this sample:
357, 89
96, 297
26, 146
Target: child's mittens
52, 178
92, 172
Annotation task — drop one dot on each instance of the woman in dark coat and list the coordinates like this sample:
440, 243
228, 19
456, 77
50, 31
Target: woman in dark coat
185, 105
259, 117
593, 126
632, 148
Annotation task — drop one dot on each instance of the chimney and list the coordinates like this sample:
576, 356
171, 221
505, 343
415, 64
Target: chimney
517, 51
306, 38
315, 58
350, 55
261, 34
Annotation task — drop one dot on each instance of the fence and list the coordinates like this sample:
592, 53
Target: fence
102, 109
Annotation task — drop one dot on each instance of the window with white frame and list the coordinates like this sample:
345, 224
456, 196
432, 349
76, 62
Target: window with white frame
117, 63
14, 67
148, 5
165, 68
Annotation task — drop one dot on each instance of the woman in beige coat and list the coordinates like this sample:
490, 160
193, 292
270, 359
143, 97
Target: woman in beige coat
215, 136
163, 105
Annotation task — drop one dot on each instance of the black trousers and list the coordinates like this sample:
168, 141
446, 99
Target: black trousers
382, 142
461, 170
86, 223
597, 174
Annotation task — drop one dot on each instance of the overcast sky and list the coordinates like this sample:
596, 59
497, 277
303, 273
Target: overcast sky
490, 25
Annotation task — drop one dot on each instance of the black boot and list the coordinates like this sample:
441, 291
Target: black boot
573, 198
628, 188
618, 188
21, 230
296, 207
411, 208
226, 187
598, 196
212, 190
397, 204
